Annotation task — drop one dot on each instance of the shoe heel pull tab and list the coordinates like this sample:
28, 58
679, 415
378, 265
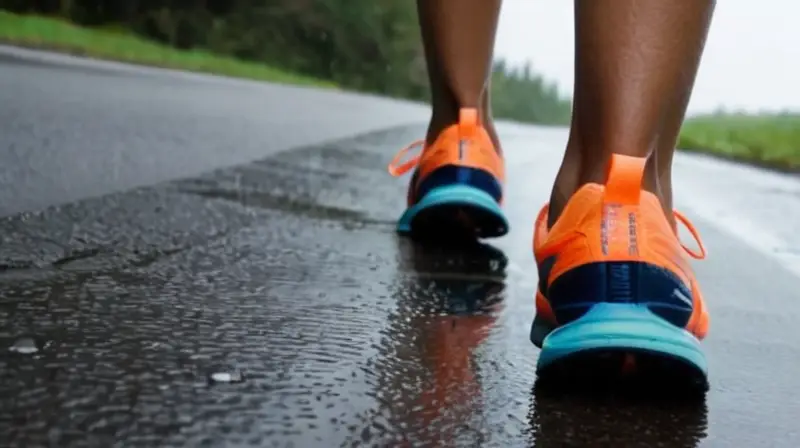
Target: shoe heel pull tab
467, 128
624, 183
467, 121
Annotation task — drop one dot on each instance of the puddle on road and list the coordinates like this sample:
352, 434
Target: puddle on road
430, 369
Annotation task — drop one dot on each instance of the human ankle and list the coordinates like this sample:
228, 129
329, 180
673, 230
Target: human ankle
567, 182
658, 180
578, 170
446, 114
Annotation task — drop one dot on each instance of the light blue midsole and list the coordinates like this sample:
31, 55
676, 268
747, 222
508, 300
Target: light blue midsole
450, 195
616, 326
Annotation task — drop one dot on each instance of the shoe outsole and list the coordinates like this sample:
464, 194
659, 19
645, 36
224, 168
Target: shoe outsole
622, 343
454, 212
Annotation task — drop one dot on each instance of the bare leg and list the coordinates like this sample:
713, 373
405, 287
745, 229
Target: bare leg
666, 146
459, 44
635, 65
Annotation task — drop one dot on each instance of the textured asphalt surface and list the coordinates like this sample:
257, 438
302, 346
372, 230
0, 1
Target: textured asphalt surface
192, 261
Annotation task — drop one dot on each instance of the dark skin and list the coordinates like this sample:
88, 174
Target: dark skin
459, 40
635, 67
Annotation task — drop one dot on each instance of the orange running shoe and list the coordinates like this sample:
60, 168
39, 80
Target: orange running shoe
457, 188
615, 285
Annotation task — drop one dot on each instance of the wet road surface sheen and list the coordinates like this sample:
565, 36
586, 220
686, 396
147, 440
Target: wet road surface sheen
271, 304
72, 128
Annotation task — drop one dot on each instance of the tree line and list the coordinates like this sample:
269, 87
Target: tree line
366, 45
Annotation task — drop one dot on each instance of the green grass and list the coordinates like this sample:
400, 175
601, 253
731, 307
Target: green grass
118, 45
771, 140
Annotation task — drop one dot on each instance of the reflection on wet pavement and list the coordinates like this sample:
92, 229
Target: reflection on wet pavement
610, 421
272, 304
447, 303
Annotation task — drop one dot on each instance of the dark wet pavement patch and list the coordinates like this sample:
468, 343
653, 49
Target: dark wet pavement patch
266, 201
584, 420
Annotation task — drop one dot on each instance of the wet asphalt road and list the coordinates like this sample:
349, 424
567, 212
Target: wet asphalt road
269, 302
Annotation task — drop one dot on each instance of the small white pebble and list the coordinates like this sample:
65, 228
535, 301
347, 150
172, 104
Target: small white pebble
227, 377
24, 346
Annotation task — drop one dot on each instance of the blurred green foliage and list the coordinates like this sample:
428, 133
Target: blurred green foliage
366, 45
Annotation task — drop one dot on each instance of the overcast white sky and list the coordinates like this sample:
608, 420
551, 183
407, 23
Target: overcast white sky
752, 58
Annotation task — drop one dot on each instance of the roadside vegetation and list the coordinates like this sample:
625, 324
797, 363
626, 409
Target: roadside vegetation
119, 45
770, 140
361, 45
